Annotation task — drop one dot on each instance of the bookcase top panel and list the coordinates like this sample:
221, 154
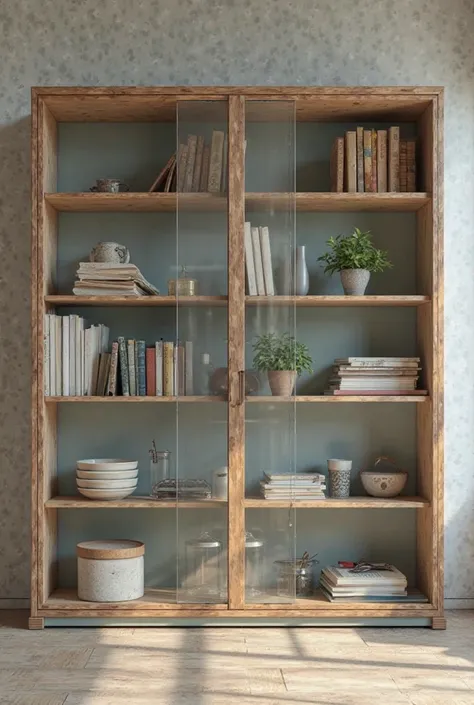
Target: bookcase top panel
142, 104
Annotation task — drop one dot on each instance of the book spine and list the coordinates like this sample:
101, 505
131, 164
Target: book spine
141, 368
360, 159
225, 153
169, 178
82, 361
88, 354
403, 166
340, 165
123, 358
175, 369
159, 368
108, 361
351, 162
58, 356
188, 369
267, 261
95, 352
198, 163
46, 355
65, 356
111, 390
368, 161
181, 175
205, 169
374, 161
168, 374
333, 167
411, 166
180, 371
131, 367
257, 258
190, 160
52, 354
382, 161
72, 355
150, 372
249, 261
394, 159
101, 374
215, 162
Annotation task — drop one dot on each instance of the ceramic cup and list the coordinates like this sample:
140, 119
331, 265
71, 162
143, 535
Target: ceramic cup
339, 478
110, 252
109, 186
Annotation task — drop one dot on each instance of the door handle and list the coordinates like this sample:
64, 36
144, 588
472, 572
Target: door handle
241, 387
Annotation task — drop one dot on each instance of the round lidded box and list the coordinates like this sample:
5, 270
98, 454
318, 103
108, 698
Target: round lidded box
110, 570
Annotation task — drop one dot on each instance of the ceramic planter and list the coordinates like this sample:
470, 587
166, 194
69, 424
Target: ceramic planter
339, 478
282, 382
354, 281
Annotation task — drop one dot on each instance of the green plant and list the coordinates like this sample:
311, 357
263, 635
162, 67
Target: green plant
355, 251
273, 352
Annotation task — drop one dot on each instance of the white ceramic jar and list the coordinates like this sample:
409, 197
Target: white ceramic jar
110, 571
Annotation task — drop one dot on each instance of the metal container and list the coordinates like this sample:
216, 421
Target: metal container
204, 578
253, 566
183, 286
294, 578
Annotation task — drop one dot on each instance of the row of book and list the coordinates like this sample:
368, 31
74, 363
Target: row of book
379, 376
197, 166
258, 261
77, 362
290, 486
111, 279
373, 161
382, 583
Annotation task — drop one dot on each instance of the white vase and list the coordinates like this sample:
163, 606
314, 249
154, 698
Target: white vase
301, 272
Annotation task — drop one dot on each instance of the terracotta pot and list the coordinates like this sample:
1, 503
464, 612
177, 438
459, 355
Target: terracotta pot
282, 382
354, 281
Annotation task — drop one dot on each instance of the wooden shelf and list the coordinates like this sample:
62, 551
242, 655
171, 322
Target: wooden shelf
303, 202
320, 601
349, 503
78, 502
133, 400
321, 398
154, 598
166, 301
324, 301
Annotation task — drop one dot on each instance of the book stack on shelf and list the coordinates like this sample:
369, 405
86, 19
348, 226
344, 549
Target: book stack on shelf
78, 363
258, 261
373, 161
110, 279
290, 486
385, 584
379, 376
198, 167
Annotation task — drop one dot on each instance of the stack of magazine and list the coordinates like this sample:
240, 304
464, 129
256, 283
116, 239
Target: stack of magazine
109, 279
343, 585
307, 485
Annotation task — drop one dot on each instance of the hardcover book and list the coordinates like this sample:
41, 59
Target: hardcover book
141, 368
394, 159
215, 162
368, 161
382, 161
351, 162
360, 159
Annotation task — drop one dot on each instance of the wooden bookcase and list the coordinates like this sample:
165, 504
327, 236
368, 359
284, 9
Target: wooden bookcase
55, 512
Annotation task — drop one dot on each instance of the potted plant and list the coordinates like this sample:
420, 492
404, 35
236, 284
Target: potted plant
355, 258
283, 359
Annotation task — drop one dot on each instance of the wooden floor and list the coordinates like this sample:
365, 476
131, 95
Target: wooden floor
237, 666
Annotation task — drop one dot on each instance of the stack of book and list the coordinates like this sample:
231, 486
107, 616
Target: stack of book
198, 167
373, 161
258, 261
342, 585
77, 362
390, 376
307, 485
109, 279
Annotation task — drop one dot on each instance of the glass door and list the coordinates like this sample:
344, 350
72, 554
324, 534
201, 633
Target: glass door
270, 329
200, 385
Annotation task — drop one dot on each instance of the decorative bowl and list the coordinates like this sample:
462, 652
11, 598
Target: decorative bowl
106, 475
383, 484
105, 494
108, 464
106, 484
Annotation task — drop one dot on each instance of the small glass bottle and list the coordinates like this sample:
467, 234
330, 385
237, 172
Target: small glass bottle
204, 375
159, 468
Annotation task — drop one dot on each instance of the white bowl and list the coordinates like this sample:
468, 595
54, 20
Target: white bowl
107, 484
107, 464
383, 484
112, 475
105, 494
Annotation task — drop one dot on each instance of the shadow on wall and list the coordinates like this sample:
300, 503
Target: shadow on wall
15, 375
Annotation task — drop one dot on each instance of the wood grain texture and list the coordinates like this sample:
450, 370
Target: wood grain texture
314, 301
134, 400
236, 352
36, 623
132, 502
90, 202
321, 399
166, 301
349, 503
314, 202
153, 599
438, 623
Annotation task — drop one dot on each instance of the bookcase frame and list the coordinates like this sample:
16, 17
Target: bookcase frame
423, 105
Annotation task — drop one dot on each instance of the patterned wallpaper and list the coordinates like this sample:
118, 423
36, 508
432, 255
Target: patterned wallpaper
150, 42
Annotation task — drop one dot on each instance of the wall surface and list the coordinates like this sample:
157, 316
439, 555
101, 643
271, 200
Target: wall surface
153, 42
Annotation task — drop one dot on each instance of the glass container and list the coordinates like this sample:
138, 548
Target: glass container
204, 579
294, 577
159, 468
183, 286
253, 566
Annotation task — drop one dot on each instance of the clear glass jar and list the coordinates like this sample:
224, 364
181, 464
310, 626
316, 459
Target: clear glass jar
159, 468
294, 578
253, 566
204, 579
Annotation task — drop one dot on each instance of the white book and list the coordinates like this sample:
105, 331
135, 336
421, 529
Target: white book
188, 368
159, 367
88, 357
249, 261
58, 356
72, 355
65, 356
96, 338
83, 361
78, 325
46, 356
257, 258
52, 354
267, 261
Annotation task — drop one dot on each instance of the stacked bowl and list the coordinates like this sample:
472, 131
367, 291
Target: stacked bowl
106, 478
